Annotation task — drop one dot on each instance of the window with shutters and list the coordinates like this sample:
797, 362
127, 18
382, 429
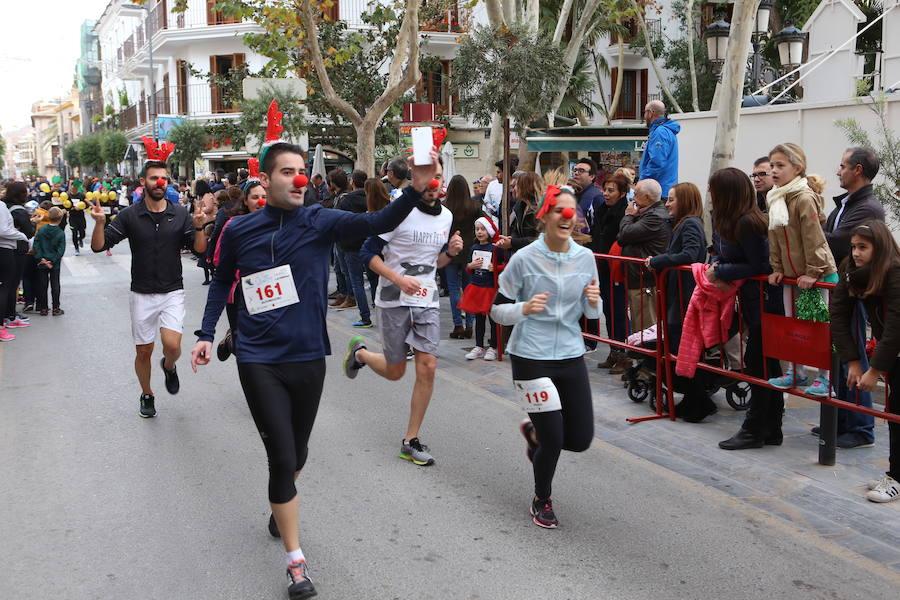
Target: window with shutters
434, 87
221, 65
214, 17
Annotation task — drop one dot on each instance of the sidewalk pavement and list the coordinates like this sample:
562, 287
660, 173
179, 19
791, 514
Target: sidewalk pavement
784, 482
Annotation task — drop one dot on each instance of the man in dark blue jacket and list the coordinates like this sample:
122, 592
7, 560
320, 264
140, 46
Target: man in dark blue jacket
660, 159
282, 253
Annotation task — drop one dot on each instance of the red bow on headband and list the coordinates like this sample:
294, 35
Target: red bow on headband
549, 200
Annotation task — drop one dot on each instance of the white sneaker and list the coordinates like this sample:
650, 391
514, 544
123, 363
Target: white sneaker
476, 352
490, 354
887, 490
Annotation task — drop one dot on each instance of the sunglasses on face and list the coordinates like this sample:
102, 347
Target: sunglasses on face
759, 174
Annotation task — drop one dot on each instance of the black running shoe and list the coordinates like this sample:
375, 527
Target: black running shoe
273, 527
223, 351
148, 407
172, 384
542, 513
299, 585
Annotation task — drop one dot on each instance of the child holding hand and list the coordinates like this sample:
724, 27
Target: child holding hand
870, 279
479, 294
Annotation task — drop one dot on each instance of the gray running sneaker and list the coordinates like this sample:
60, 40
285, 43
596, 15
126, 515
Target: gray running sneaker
415, 452
351, 365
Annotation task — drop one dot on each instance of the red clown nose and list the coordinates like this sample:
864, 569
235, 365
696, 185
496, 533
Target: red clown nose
434, 184
300, 180
161, 182
261, 202
568, 212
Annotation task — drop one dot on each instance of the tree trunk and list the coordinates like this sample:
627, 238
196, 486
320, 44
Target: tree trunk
572, 49
690, 31
614, 103
652, 58
599, 78
365, 147
504, 202
733, 85
496, 143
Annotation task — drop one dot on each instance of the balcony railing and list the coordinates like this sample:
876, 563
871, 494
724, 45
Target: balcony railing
452, 20
199, 99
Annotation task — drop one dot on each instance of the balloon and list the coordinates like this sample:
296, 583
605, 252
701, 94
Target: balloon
111, 194
300, 180
89, 195
63, 196
434, 184
45, 188
568, 212
67, 204
80, 205
56, 194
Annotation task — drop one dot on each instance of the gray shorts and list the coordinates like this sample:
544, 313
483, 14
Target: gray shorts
418, 327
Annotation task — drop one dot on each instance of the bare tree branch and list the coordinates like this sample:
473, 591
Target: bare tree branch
563, 19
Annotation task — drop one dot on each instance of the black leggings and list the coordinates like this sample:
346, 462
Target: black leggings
894, 428
7, 276
13, 288
78, 237
572, 428
283, 399
479, 331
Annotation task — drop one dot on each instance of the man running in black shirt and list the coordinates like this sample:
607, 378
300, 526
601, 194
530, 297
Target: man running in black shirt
156, 230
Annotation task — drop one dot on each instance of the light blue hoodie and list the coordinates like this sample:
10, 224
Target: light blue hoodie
554, 333
660, 158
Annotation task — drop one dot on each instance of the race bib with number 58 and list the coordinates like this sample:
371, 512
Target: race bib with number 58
269, 289
537, 395
424, 296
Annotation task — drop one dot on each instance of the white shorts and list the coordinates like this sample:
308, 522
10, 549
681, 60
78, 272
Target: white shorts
150, 312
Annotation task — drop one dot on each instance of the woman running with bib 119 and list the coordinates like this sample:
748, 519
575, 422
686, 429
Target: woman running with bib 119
544, 291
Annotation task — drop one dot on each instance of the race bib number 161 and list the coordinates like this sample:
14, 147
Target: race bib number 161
269, 289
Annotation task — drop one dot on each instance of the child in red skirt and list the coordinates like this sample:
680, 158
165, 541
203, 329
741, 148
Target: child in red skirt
478, 296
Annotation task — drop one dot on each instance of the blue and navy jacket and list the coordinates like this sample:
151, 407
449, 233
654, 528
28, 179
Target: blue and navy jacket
660, 158
301, 238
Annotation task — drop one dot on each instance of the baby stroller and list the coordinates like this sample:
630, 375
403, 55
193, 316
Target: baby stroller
640, 379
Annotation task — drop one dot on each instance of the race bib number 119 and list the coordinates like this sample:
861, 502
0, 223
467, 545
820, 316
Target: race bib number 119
537, 395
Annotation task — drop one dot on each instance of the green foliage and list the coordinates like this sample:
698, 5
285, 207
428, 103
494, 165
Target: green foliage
811, 306
797, 11
886, 145
90, 151
190, 139
674, 57
577, 102
2, 151
123, 98
72, 153
113, 144
507, 71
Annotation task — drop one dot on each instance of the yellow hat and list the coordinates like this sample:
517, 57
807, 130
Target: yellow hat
111, 194
45, 188
80, 205
67, 203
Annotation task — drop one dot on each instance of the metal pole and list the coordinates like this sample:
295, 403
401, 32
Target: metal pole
828, 424
152, 78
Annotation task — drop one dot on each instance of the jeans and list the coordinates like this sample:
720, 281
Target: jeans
355, 274
849, 421
340, 271
373, 283
615, 311
29, 279
457, 279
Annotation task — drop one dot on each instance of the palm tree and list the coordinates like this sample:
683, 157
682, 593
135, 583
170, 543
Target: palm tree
577, 102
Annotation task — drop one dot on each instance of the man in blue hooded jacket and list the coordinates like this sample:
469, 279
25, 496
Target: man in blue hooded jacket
660, 159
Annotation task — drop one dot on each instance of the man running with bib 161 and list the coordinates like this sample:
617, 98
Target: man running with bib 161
408, 307
282, 253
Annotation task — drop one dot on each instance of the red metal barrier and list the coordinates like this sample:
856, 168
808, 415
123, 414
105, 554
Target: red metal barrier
789, 339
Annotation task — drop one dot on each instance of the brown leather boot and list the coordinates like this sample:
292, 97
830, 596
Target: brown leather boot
467, 333
610, 360
349, 302
623, 363
457, 333
338, 300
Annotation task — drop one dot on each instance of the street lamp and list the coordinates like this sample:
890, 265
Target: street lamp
790, 41
762, 17
716, 35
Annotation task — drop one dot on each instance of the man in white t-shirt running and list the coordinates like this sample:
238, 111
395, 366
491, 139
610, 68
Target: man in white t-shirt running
408, 306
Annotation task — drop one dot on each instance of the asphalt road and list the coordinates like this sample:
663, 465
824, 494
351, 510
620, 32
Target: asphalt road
96, 502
